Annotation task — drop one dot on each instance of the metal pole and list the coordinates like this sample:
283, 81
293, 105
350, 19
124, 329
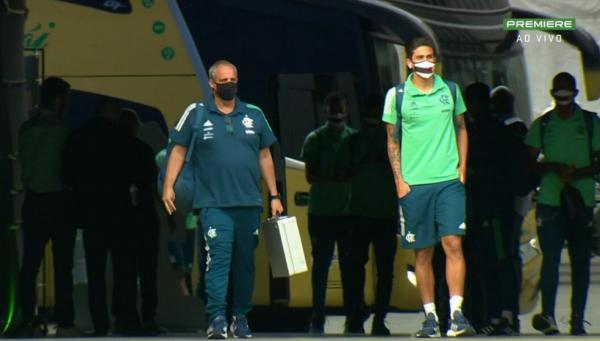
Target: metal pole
13, 112
191, 47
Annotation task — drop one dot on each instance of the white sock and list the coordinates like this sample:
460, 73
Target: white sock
430, 308
455, 304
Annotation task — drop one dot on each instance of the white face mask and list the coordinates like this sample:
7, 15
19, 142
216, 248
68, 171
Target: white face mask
563, 97
424, 69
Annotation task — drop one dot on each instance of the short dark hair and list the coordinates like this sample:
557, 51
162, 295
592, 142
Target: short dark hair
478, 91
418, 42
334, 101
51, 89
565, 77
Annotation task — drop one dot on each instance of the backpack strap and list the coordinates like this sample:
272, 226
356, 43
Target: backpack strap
589, 118
452, 87
197, 122
543, 125
399, 91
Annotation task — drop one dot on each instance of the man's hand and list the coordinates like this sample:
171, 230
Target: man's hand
462, 174
168, 199
565, 172
276, 208
402, 189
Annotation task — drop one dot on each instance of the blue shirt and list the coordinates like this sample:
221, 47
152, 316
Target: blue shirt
226, 153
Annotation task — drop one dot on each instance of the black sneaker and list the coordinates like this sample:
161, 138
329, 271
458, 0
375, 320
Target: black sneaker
503, 327
546, 324
354, 325
150, 328
379, 328
577, 325
317, 325
460, 326
430, 328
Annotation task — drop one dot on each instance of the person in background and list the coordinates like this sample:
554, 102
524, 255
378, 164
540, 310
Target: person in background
569, 138
327, 154
100, 168
144, 218
42, 140
375, 216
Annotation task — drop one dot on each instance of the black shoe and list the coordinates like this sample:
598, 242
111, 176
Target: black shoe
546, 324
28, 330
317, 325
503, 327
98, 333
354, 326
577, 325
378, 327
152, 329
128, 330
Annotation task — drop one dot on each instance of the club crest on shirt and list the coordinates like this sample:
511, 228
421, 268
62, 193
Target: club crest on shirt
445, 99
248, 122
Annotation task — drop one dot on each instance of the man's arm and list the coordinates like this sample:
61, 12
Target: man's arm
590, 170
174, 165
393, 148
463, 146
541, 167
267, 170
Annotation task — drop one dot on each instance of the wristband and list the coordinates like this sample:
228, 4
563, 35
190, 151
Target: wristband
273, 197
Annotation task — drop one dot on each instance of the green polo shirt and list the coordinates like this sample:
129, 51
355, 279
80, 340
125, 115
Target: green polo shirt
226, 154
565, 141
42, 141
429, 151
329, 151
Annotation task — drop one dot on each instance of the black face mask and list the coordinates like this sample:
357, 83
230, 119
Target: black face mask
227, 91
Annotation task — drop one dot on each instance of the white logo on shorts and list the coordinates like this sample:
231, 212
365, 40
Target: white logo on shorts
212, 233
462, 226
410, 237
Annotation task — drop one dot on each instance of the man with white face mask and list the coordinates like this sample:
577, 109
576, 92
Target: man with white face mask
428, 159
569, 139
326, 152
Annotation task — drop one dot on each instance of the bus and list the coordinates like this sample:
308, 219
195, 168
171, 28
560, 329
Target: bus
152, 56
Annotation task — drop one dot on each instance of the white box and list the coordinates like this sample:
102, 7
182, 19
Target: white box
284, 247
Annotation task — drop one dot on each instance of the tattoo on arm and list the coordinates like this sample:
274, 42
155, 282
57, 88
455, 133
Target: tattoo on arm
393, 148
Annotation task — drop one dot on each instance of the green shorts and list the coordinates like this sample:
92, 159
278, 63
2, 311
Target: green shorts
431, 211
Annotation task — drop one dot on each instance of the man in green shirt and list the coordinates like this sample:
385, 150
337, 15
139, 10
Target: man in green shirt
42, 140
570, 158
428, 158
374, 208
326, 152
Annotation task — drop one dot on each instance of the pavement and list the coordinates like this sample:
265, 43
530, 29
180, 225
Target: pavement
403, 325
